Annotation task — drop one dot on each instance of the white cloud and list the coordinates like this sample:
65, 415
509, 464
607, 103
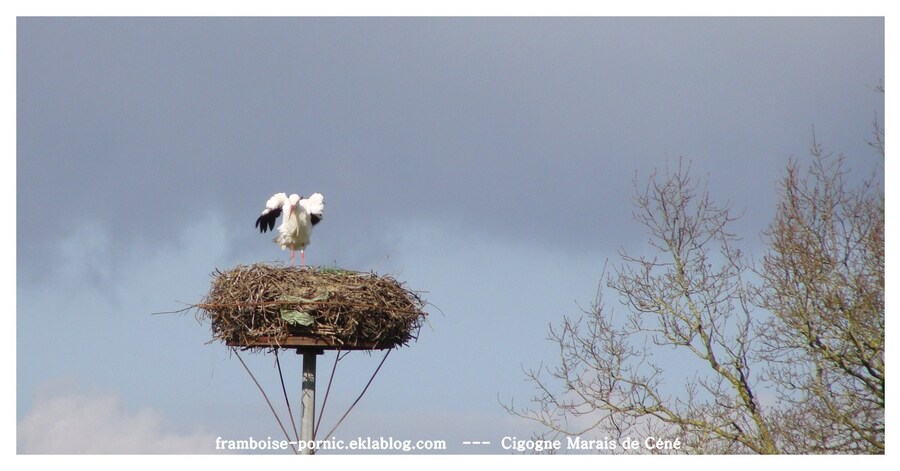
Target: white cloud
73, 422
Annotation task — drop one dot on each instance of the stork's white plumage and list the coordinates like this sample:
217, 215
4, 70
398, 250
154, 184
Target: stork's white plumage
299, 216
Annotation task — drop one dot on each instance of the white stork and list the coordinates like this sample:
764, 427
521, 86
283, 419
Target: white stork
300, 215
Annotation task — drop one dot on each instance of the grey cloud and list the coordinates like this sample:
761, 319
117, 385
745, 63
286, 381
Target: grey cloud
525, 127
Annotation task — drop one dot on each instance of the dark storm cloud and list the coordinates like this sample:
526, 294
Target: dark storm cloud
525, 128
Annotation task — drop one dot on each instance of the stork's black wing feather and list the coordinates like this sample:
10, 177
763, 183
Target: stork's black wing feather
314, 219
266, 222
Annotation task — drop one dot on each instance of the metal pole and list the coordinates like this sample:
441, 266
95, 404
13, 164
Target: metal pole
308, 399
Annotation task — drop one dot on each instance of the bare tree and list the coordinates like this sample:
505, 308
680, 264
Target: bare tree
794, 365
824, 280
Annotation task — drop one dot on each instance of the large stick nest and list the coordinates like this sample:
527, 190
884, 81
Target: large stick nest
248, 304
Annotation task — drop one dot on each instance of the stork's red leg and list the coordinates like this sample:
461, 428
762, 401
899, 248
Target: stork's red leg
302, 258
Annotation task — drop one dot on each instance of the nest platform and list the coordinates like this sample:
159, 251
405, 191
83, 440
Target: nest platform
267, 306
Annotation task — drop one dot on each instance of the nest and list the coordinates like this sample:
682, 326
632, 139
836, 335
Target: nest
262, 305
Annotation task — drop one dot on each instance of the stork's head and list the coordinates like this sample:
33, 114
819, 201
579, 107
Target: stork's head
293, 200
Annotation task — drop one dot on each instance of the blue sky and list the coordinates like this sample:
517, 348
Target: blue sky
486, 161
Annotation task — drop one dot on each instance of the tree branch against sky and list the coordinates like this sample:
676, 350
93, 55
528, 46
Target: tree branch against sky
824, 280
792, 363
